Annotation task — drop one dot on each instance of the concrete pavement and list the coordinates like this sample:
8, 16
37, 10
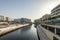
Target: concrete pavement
41, 33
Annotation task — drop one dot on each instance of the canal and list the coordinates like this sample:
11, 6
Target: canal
26, 33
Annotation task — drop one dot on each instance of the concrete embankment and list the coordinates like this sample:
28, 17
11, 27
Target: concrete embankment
41, 33
11, 28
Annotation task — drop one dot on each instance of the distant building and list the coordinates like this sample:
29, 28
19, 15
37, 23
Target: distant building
1, 18
37, 21
10, 19
43, 19
22, 20
16, 20
7, 18
46, 16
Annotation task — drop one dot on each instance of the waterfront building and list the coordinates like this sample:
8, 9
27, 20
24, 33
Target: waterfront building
46, 16
37, 21
55, 16
51, 28
16, 20
8, 19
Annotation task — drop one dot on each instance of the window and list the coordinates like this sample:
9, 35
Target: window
44, 26
51, 29
58, 31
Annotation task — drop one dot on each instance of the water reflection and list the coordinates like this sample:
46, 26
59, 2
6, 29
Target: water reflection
25, 29
26, 33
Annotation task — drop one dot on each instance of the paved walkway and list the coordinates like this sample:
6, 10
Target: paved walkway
42, 34
10, 28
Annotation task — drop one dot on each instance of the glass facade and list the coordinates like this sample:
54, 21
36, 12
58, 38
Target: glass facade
58, 31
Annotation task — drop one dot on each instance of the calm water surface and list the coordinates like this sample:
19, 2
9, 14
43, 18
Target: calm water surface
26, 33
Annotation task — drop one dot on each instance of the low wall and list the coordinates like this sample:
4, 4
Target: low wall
42, 34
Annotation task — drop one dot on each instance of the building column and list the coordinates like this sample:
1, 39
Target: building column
55, 30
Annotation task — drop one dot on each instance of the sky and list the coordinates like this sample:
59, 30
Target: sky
32, 9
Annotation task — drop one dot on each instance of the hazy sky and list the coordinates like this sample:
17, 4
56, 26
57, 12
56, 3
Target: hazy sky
33, 9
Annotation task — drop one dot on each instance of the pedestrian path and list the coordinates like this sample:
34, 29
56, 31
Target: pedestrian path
42, 34
10, 28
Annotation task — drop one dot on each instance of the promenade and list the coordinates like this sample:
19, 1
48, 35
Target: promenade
11, 28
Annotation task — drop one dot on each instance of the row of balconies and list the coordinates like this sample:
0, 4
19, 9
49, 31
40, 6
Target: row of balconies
56, 12
53, 21
53, 17
56, 8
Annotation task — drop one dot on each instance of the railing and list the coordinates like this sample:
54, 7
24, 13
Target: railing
52, 28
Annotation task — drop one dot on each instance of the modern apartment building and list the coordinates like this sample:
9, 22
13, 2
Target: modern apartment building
51, 28
55, 16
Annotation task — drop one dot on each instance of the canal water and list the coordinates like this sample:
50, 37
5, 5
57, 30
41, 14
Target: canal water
26, 33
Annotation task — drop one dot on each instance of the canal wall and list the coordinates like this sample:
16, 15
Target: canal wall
11, 28
41, 33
